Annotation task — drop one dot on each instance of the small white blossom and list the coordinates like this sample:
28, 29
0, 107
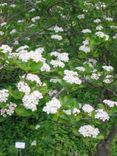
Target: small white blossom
57, 37
87, 109
4, 94
23, 87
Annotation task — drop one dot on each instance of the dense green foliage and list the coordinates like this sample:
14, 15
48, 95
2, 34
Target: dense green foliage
56, 134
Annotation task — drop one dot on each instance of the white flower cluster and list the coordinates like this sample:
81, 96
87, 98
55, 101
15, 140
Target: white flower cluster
45, 67
57, 63
108, 68
57, 37
82, 16
60, 56
33, 78
89, 131
52, 106
99, 27
35, 56
9, 110
4, 94
71, 77
23, 87
30, 101
95, 76
86, 31
85, 47
5, 49
97, 20
87, 109
36, 18
102, 115
108, 79
60, 59
80, 68
102, 35
58, 29
110, 103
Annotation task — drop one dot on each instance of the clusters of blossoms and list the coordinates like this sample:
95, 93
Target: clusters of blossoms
102, 115
5, 49
52, 106
9, 110
108, 68
108, 79
110, 103
33, 78
60, 59
71, 77
102, 35
88, 71
85, 47
23, 87
30, 101
4, 94
88, 131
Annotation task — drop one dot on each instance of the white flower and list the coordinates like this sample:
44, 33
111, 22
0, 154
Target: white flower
95, 76
1, 33
110, 103
52, 106
67, 112
85, 48
33, 143
108, 68
13, 31
88, 109
36, 18
102, 35
30, 101
37, 127
58, 29
22, 48
23, 87
102, 115
57, 37
99, 27
5, 49
9, 110
97, 20
86, 31
45, 67
60, 56
108, 79
80, 68
3, 24
71, 77
33, 78
82, 16
57, 63
36, 56
89, 131
4, 94
75, 111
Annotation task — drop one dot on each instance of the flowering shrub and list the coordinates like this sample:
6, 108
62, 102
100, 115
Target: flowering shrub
67, 54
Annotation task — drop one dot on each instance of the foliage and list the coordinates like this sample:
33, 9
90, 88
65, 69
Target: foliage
58, 74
